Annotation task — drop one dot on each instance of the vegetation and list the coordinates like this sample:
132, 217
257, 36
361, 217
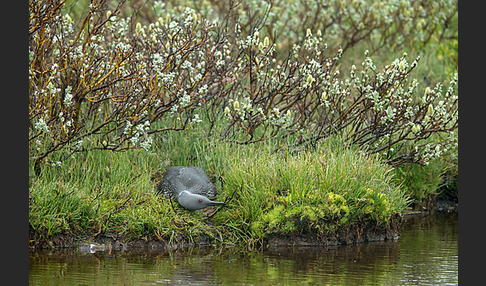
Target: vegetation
315, 191
308, 128
322, 191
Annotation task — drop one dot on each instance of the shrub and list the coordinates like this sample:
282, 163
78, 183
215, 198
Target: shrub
107, 82
109, 79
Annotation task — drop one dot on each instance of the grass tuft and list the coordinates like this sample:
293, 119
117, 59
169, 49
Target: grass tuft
318, 191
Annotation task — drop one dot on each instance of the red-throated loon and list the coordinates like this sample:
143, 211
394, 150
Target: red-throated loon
190, 186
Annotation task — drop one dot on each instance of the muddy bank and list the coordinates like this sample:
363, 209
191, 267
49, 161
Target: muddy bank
440, 204
343, 238
357, 234
115, 242
448, 199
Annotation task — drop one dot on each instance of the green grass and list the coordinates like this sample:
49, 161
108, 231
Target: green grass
105, 192
321, 191
424, 183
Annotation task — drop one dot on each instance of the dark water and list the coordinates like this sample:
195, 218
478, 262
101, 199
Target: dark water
426, 254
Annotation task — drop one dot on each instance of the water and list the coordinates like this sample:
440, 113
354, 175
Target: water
426, 254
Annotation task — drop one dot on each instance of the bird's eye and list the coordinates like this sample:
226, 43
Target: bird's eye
199, 201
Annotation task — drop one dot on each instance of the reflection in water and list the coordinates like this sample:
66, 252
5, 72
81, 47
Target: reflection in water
426, 254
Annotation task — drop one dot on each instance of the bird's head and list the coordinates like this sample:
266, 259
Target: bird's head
192, 201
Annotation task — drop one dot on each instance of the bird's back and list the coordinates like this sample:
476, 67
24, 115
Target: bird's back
192, 179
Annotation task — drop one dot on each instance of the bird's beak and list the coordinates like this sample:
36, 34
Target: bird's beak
215, 203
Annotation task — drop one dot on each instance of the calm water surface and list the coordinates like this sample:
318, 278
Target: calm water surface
425, 254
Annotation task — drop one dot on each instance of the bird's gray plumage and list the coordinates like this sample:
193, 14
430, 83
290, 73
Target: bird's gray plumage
190, 186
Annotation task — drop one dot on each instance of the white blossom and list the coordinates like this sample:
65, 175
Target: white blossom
68, 96
41, 125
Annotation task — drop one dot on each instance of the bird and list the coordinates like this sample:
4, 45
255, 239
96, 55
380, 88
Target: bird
190, 186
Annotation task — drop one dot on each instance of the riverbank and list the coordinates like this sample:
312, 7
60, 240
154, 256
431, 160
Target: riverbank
108, 242
115, 242
426, 241
334, 193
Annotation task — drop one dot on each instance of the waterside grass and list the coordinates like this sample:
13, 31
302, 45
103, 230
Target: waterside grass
321, 191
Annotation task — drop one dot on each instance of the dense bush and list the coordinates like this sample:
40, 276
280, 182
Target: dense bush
387, 25
105, 81
103, 78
